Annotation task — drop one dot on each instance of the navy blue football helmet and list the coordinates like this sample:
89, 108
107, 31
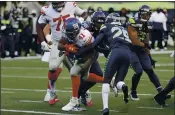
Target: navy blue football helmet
144, 13
98, 18
58, 6
113, 18
72, 28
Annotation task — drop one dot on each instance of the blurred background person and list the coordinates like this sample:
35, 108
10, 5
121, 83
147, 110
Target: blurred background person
90, 11
158, 20
7, 41
111, 10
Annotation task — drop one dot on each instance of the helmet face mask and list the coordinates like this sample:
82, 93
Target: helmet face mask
113, 18
144, 13
98, 18
72, 28
58, 6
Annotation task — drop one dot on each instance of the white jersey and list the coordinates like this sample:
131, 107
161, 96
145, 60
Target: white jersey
84, 38
56, 19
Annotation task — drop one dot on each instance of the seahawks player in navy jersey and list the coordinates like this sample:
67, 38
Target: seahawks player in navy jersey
116, 37
140, 59
98, 18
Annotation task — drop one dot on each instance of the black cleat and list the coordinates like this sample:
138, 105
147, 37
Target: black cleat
160, 99
134, 96
125, 92
105, 111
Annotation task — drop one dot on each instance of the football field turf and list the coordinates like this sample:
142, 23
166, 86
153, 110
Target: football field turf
24, 83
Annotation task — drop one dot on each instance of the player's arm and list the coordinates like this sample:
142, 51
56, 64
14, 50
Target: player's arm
47, 35
133, 35
79, 12
65, 46
91, 46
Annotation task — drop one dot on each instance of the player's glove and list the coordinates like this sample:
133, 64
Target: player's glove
153, 62
45, 46
71, 48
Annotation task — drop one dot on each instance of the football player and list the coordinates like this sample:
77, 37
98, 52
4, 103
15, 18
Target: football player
98, 18
161, 96
81, 38
116, 37
55, 14
139, 55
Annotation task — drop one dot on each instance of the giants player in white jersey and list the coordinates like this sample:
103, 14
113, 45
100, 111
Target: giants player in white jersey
80, 37
55, 14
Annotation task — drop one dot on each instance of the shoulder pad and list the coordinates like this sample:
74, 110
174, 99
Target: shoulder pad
132, 21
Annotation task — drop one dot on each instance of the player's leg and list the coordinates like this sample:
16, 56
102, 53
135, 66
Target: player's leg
146, 64
75, 76
110, 69
136, 66
122, 71
86, 85
161, 97
54, 62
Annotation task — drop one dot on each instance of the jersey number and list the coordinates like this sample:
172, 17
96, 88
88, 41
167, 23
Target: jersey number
119, 32
60, 19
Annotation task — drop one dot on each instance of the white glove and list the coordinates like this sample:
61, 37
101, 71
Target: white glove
45, 46
3, 27
81, 20
172, 55
48, 38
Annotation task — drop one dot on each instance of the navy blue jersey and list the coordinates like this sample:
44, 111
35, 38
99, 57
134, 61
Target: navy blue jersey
115, 36
141, 28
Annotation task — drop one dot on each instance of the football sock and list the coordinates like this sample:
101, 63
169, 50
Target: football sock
95, 78
135, 81
75, 85
52, 76
105, 94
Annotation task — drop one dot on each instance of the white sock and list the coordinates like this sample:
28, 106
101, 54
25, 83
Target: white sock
120, 84
105, 94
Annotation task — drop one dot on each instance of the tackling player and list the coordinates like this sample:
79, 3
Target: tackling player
55, 14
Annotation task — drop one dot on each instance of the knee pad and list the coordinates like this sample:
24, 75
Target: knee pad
120, 84
75, 71
52, 66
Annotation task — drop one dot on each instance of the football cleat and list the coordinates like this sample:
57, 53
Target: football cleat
105, 111
47, 97
134, 96
113, 86
125, 92
160, 99
86, 99
73, 105
53, 98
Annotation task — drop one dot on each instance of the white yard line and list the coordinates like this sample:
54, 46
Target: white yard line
6, 92
30, 101
63, 91
35, 112
155, 108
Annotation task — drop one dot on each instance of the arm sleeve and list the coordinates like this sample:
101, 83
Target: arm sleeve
78, 11
164, 23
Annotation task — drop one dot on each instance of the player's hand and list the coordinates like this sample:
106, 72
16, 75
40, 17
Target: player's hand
147, 46
153, 63
45, 46
71, 48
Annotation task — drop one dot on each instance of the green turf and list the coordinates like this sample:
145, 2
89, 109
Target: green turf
32, 74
